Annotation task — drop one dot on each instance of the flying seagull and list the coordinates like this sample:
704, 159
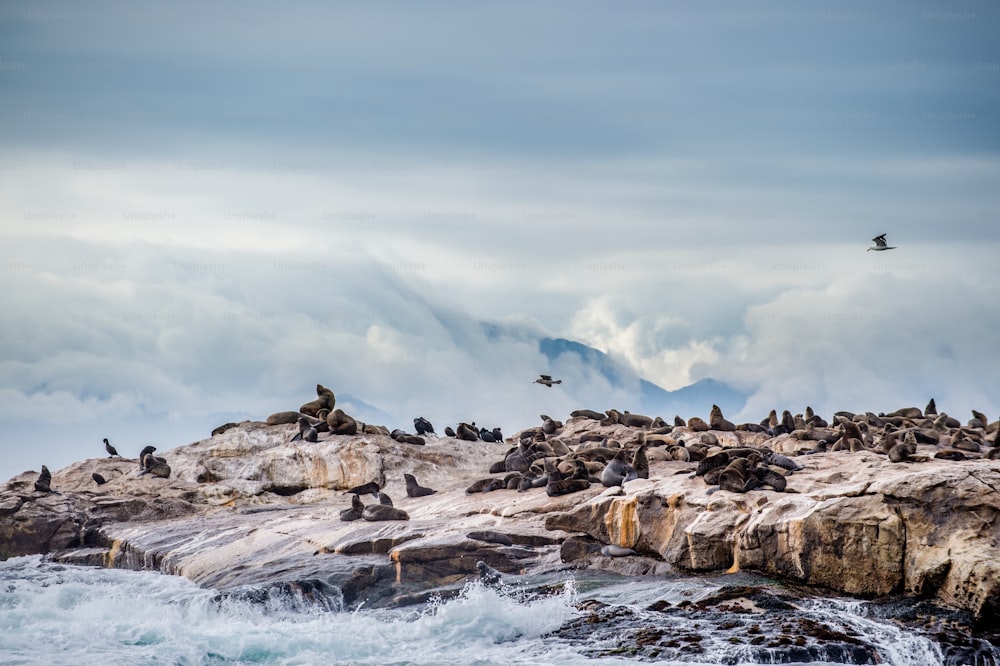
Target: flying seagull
880, 244
547, 380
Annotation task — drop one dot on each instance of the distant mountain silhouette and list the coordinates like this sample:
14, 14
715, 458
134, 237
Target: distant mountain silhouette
693, 400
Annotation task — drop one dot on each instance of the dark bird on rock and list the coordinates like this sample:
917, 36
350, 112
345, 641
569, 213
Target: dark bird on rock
112, 451
547, 380
98, 479
44, 482
423, 426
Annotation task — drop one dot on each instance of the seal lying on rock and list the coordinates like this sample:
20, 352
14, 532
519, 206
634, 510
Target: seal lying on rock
379, 512
406, 438
612, 550
485, 486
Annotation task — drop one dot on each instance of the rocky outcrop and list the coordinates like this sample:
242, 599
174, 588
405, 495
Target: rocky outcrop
248, 507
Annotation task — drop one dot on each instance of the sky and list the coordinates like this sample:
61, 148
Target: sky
206, 210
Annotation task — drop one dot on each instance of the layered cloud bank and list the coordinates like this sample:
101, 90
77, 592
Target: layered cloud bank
155, 345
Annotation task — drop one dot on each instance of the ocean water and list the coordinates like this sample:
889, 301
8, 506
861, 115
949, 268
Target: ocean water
54, 614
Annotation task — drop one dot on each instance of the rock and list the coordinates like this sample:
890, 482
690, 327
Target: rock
249, 507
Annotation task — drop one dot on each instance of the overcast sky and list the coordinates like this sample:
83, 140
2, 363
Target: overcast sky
206, 210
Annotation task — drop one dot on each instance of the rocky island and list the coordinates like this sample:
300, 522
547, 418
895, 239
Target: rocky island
890, 505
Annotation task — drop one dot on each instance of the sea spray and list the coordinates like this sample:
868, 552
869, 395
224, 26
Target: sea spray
54, 614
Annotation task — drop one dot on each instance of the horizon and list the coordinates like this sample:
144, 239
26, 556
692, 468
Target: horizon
204, 211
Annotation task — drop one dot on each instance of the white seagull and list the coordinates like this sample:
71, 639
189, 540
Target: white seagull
880, 244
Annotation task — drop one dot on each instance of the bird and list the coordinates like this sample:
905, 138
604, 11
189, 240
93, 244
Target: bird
112, 451
547, 380
98, 479
423, 426
880, 245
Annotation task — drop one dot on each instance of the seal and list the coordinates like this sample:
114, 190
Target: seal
490, 536
737, 476
98, 479
485, 486
384, 499
414, 489
283, 418
640, 463
354, 513
43, 483
379, 512
611, 550
930, 409
698, 424
146, 450
488, 576
901, 452
449, 432
467, 432
306, 431
778, 460
617, 471
717, 421
112, 451
340, 423
324, 399
550, 426
768, 477
587, 414
155, 465
406, 438
366, 488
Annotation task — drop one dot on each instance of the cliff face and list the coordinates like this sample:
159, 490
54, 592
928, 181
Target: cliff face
248, 507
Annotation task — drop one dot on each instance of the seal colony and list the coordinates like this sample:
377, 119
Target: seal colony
538, 457
603, 488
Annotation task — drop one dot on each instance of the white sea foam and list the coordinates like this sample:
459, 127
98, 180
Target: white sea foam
52, 615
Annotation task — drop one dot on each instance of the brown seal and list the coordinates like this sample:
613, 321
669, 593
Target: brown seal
717, 421
697, 424
325, 400
340, 423
282, 418
414, 489
467, 433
